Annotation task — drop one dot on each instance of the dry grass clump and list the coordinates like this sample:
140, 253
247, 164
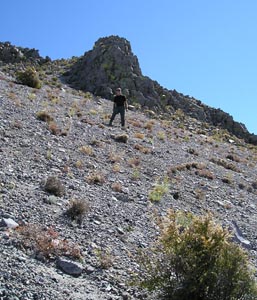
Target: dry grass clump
142, 149
192, 151
87, 150
121, 138
233, 157
54, 186
53, 128
135, 123
161, 135
116, 168
186, 166
139, 135
44, 116
225, 164
105, 259
78, 208
95, 178
117, 187
45, 242
115, 157
149, 125
205, 173
134, 162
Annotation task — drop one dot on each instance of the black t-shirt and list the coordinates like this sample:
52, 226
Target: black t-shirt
119, 100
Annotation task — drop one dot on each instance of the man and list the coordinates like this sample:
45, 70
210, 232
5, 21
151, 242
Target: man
119, 107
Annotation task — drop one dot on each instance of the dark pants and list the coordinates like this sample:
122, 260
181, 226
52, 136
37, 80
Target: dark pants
118, 110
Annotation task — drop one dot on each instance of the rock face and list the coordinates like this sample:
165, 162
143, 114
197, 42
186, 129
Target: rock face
12, 54
110, 64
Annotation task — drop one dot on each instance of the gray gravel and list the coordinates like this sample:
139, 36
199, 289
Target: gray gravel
118, 222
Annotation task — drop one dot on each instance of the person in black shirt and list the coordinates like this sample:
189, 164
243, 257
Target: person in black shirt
119, 106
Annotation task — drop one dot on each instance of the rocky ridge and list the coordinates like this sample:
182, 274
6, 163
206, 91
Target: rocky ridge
207, 170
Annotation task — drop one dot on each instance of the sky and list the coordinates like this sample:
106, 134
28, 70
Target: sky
206, 49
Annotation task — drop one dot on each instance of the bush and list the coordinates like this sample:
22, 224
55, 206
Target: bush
29, 77
45, 242
77, 210
54, 186
195, 259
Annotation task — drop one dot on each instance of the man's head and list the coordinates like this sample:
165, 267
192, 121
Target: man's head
118, 91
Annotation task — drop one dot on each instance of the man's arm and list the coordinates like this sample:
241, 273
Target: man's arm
126, 104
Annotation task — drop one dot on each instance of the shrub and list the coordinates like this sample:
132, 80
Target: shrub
44, 116
139, 135
54, 186
95, 178
29, 77
77, 209
159, 190
195, 259
117, 187
45, 242
121, 138
87, 150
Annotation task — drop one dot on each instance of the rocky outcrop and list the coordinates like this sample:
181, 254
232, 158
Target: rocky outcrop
12, 54
111, 63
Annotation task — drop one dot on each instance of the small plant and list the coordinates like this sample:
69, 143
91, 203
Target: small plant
142, 149
79, 164
159, 190
116, 168
117, 187
29, 77
225, 164
139, 135
115, 157
161, 135
87, 150
105, 259
53, 128
135, 174
121, 138
134, 162
95, 178
44, 116
205, 173
77, 209
149, 125
195, 259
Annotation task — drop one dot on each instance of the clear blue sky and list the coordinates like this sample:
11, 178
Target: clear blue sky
205, 49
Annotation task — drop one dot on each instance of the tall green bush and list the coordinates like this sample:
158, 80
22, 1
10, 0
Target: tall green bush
195, 259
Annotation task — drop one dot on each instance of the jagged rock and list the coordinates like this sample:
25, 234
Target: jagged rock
12, 54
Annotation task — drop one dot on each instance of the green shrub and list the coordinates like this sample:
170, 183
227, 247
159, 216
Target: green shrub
159, 190
29, 77
195, 259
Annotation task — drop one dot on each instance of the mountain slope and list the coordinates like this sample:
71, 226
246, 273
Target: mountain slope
207, 170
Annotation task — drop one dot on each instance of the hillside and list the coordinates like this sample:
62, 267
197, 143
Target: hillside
205, 168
